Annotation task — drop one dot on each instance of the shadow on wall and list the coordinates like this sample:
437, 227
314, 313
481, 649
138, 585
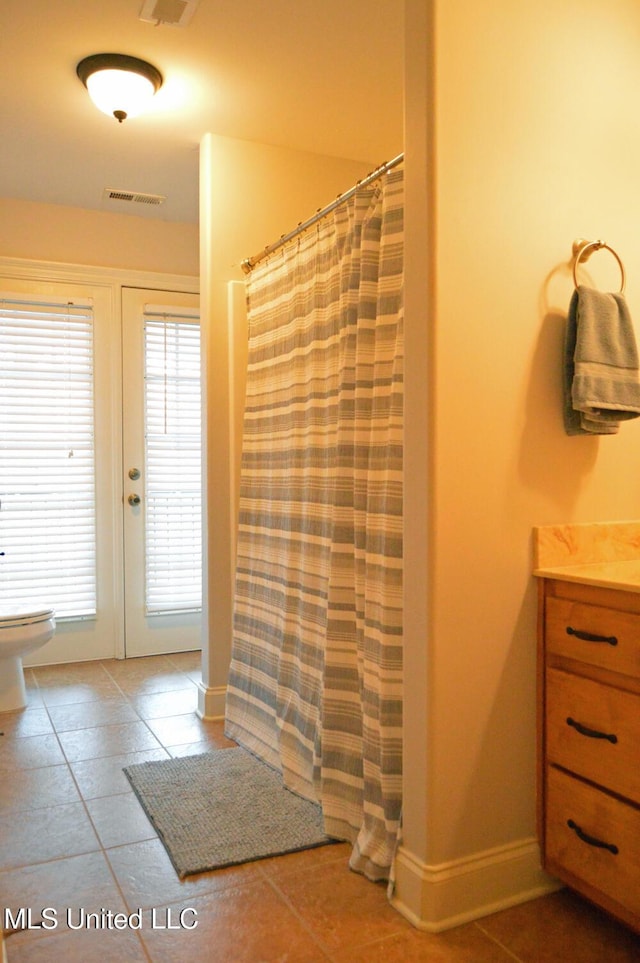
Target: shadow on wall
504, 766
549, 460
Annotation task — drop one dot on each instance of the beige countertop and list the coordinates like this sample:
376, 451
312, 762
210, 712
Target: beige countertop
618, 575
606, 554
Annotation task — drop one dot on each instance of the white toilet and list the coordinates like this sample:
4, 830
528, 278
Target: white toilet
23, 628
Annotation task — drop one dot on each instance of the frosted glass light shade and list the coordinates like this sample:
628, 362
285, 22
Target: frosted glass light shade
119, 85
120, 90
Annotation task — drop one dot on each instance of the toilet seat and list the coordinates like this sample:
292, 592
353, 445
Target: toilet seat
21, 613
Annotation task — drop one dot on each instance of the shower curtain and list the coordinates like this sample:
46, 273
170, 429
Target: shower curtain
315, 682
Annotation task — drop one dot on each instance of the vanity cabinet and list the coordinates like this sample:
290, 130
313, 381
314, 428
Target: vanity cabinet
589, 742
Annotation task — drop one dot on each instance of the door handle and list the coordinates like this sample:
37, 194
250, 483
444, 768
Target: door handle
133, 500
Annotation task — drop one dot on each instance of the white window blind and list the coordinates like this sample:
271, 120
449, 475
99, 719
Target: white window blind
47, 478
173, 487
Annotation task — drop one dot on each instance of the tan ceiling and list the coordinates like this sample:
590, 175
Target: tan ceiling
315, 75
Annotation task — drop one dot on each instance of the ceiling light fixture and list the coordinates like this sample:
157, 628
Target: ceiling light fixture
119, 85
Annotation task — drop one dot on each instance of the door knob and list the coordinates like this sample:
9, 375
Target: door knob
134, 474
134, 499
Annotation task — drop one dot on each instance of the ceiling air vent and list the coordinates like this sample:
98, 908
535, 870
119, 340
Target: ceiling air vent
172, 13
133, 196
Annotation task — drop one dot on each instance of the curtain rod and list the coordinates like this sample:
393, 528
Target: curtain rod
249, 263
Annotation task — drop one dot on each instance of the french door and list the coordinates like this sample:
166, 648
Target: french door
59, 437
162, 471
100, 465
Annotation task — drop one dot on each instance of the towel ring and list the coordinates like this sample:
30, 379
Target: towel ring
582, 252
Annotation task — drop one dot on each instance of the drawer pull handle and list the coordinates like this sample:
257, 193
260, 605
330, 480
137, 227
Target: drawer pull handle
591, 733
591, 840
590, 637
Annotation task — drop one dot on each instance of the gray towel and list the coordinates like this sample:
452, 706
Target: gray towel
601, 380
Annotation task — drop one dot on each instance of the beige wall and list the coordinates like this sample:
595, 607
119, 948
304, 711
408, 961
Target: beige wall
72, 235
535, 141
253, 193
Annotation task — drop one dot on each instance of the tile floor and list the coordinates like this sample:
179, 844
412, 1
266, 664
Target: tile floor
74, 839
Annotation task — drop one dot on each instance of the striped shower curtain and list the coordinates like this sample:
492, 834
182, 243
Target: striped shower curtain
315, 682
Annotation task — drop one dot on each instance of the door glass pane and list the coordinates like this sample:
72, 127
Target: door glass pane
173, 511
47, 478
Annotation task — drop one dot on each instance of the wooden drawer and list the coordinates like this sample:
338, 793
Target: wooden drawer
579, 820
600, 636
594, 730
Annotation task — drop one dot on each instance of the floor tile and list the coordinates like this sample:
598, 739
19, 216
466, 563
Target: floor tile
213, 742
119, 820
179, 729
186, 661
147, 878
148, 684
104, 776
71, 882
223, 932
81, 946
130, 670
158, 704
70, 693
112, 740
25, 722
342, 908
91, 714
70, 673
37, 788
30, 752
464, 944
562, 927
308, 860
45, 834
108, 663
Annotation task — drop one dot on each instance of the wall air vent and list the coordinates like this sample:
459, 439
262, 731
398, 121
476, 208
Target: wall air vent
133, 196
172, 13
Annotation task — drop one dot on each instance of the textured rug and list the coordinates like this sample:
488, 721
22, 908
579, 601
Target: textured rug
222, 808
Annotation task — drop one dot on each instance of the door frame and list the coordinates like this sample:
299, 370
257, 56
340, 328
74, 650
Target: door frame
14, 272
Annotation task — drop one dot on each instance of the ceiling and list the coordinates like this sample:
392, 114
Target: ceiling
315, 75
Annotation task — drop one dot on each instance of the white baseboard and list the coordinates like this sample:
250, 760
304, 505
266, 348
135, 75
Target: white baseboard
211, 702
436, 898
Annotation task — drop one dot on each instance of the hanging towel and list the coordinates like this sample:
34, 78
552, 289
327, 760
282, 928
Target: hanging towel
601, 383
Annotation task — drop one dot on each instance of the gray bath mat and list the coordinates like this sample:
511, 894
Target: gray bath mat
222, 808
